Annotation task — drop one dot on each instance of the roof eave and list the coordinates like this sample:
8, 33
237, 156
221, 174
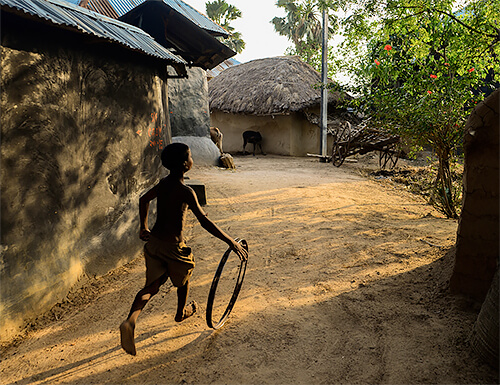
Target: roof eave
197, 46
67, 16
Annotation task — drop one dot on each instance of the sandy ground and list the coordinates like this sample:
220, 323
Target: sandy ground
346, 283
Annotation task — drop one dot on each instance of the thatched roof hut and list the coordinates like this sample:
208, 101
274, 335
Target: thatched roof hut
279, 97
271, 86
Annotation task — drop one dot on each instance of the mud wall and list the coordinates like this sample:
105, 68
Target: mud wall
289, 135
82, 127
478, 230
188, 104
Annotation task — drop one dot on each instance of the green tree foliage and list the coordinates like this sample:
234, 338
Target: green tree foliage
302, 25
223, 14
419, 68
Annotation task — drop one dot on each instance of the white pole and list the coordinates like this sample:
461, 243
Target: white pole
324, 81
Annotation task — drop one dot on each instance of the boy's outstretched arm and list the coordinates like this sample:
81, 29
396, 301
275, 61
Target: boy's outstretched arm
144, 200
212, 228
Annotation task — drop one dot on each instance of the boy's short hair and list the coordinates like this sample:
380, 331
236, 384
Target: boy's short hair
174, 155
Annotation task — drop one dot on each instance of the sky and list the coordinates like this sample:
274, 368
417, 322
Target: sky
255, 27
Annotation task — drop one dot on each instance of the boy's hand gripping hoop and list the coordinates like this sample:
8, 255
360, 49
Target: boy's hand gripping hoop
237, 287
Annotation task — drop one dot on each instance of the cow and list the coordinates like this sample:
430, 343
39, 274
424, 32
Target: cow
216, 137
253, 137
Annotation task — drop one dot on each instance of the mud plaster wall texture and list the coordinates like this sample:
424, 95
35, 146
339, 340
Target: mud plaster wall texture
80, 140
290, 135
188, 104
478, 231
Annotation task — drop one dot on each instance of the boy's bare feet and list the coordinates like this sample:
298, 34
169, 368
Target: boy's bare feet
127, 337
189, 310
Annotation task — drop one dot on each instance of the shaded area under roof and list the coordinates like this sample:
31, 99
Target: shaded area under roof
271, 86
84, 21
175, 31
118, 8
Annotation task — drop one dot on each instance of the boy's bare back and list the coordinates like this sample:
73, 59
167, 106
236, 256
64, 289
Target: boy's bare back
173, 198
172, 202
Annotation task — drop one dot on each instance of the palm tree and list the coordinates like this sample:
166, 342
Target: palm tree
223, 14
302, 25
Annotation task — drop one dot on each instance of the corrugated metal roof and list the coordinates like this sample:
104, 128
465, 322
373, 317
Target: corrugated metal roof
176, 32
99, 6
221, 67
196, 17
64, 13
121, 7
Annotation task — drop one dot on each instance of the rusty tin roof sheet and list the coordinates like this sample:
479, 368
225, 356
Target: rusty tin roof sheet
69, 15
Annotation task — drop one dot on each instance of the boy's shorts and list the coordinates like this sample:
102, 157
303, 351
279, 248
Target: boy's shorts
167, 259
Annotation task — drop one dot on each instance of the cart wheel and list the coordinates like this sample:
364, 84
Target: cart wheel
339, 153
388, 157
341, 144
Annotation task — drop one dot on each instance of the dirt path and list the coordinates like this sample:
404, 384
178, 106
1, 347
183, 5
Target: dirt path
345, 284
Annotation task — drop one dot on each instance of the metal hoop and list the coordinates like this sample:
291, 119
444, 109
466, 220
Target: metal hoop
215, 282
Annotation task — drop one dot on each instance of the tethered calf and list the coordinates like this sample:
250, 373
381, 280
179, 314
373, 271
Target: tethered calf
216, 137
253, 137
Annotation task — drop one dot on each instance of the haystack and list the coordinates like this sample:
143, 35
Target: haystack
279, 97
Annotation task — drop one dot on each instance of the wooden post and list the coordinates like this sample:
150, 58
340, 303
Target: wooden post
167, 136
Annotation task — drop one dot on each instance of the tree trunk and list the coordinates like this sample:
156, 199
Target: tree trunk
443, 195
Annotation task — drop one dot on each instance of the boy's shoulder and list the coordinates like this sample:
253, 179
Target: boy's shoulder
176, 185
187, 188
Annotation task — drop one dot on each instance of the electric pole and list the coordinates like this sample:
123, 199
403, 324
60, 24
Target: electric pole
324, 91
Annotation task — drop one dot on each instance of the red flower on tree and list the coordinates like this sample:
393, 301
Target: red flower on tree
434, 76
429, 92
377, 62
388, 48
472, 69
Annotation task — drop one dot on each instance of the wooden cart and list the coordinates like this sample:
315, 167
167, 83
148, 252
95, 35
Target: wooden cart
361, 140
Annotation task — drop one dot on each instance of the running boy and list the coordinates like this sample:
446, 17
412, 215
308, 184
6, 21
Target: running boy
165, 252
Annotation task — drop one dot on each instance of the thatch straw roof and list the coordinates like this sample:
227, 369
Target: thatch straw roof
272, 86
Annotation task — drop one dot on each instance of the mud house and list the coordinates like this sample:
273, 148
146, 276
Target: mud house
167, 21
475, 272
478, 238
279, 97
85, 114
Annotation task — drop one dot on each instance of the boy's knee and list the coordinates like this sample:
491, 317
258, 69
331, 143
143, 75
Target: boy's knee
154, 287
181, 289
